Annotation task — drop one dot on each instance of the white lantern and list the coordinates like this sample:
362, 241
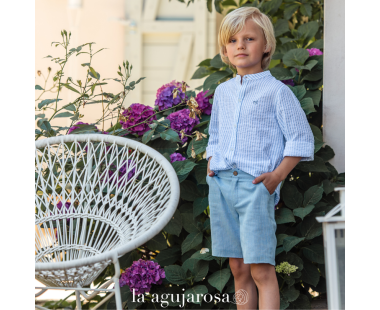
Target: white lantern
333, 224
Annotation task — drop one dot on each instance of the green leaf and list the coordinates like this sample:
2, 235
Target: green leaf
170, 135
217, 62
299, 91
310, 274
302, 212
290, 294
326, 153
200, 204
147, 136
307, 105
201, 72
200, 171
70, 107
64, 114
169, 256
313, 195
218, 6
188, 222
283, 304
214, 78
280, 239
94, 74
318, 165
310, 228
295, 57
281, 73
306, 9
205, 63
314, 253
206, 256
290, 242
220, 278
315, 95
291, 196
70, 87
209, 5
194, 294
175, 274
316, 44
46, 102
183, 167
163, 146
284, 215
229, 3
189, 190
289, 10
200, 270
174, 226
191, 241
39, 116
157, 243
308, 30
271, 7
38, 87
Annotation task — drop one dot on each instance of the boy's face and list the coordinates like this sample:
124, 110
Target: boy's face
246, 48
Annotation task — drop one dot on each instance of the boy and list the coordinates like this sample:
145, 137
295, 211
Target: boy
258, 134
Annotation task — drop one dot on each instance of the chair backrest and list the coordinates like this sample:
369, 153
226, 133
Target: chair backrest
97, 193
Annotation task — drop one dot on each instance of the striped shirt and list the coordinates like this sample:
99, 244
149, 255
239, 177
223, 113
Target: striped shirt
256, 123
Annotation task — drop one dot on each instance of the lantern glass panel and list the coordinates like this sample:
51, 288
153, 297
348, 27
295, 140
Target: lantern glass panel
340, 255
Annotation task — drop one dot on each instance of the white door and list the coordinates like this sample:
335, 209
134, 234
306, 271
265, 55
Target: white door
165, 41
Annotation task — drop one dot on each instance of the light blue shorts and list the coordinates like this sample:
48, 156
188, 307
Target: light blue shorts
241, 217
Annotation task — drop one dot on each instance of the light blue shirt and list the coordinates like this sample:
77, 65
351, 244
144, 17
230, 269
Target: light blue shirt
255, 124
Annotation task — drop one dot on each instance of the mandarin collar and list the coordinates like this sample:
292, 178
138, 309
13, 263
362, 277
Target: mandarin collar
253, 76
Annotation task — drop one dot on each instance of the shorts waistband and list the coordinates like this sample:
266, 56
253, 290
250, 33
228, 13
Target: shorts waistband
239, 174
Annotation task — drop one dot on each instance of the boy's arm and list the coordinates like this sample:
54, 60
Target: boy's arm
294, 126
299, 145
213, 129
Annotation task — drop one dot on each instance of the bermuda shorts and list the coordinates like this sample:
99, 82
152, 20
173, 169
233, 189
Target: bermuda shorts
241, 217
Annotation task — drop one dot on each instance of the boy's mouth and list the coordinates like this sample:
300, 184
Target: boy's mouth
241, 55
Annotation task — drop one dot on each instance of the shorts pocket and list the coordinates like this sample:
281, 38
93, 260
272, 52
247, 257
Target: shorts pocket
267, 189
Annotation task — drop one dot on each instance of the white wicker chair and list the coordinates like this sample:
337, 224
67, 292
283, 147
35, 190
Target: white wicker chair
97, 198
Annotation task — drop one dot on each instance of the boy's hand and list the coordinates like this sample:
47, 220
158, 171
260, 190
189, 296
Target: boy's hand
270, 180
209, 172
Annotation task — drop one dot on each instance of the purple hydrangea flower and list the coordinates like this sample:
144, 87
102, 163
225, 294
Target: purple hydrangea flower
204, 102
141, 275
288, 82
176, 157
164, 96
135, 114
181, 120
314, 52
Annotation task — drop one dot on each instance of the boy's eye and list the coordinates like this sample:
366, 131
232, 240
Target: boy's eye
232, 40
250, 39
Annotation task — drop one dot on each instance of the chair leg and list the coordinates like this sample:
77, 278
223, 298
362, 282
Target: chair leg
79, 304
117, 286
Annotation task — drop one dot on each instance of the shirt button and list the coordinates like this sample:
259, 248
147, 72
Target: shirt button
235, 126
231, 149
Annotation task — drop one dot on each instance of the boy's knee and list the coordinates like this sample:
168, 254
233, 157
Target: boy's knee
238, 268
262, 273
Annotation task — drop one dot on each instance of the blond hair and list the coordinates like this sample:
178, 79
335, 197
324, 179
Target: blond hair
234, 22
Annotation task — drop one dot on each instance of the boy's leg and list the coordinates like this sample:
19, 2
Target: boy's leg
265, 279
244, 283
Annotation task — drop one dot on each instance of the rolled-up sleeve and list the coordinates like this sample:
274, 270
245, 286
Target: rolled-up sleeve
294, 125
213, 128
